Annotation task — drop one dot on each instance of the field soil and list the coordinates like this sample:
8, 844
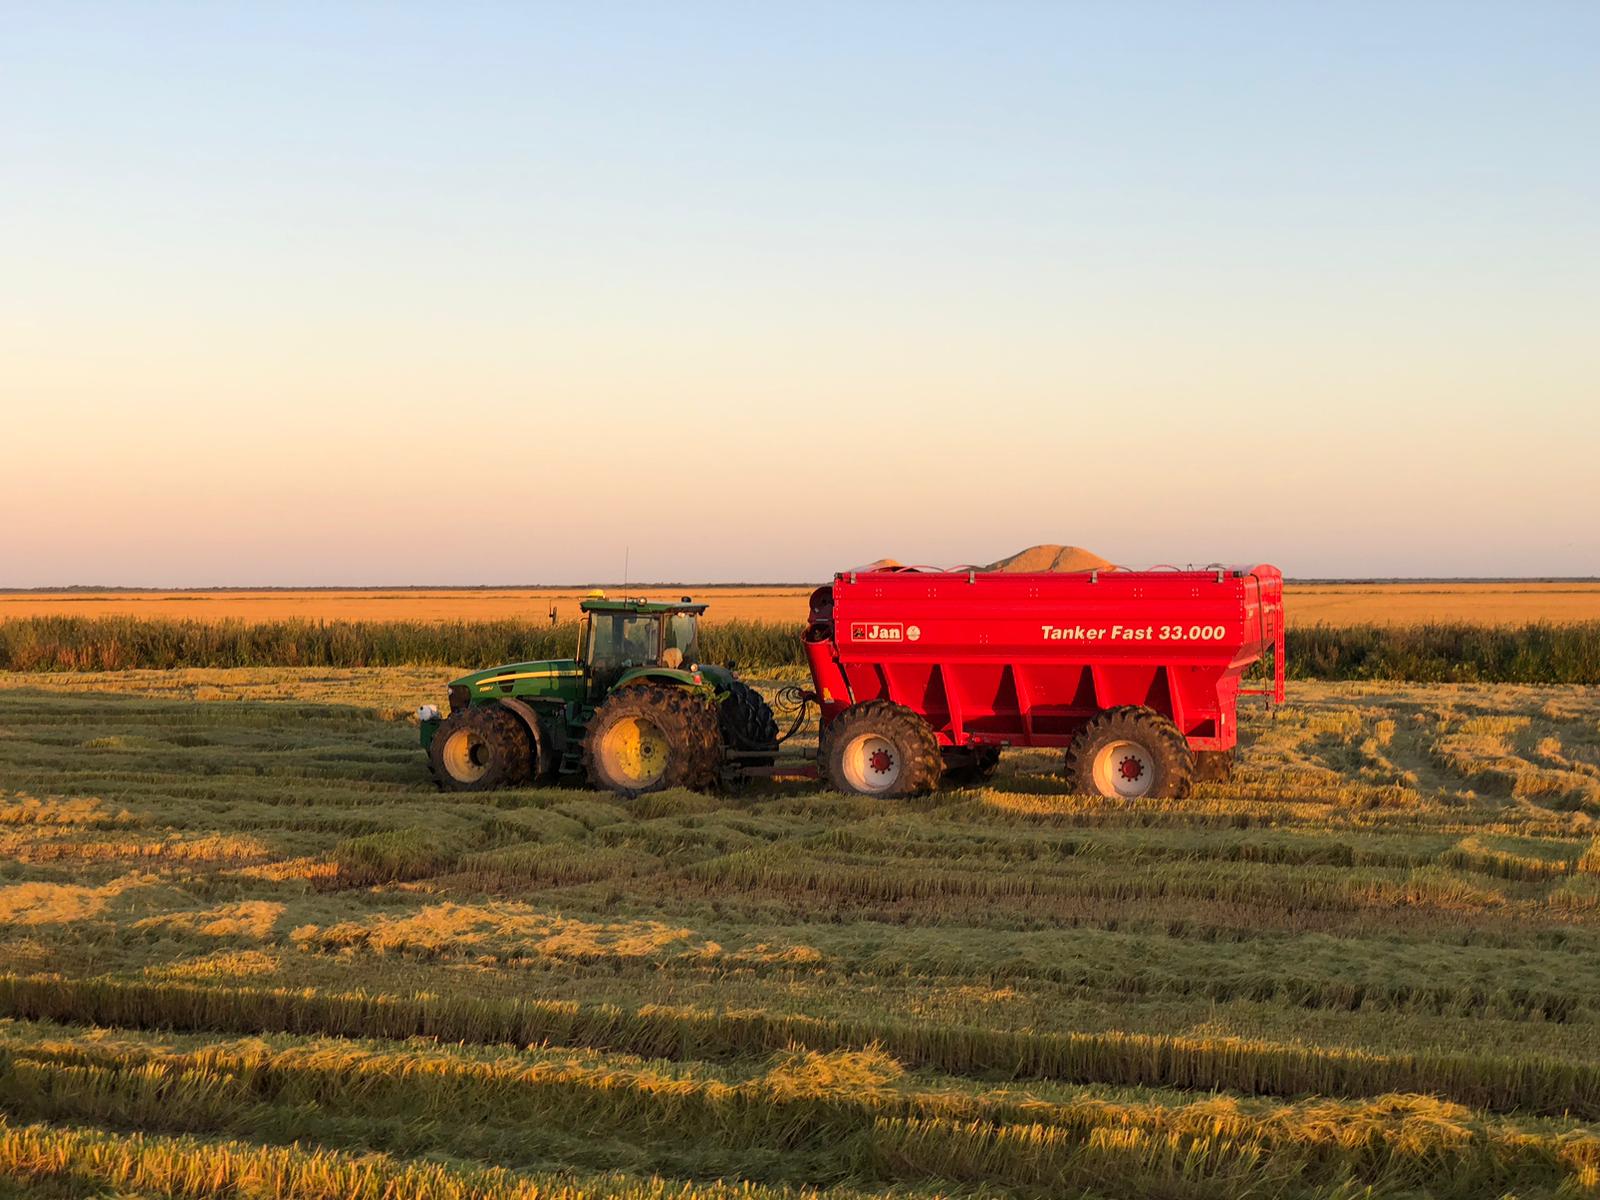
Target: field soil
236, 918
1308, 604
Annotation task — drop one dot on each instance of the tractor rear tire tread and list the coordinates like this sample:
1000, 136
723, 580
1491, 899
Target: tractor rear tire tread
508, 749
747, 723
686, 720
1174, 761
895, 723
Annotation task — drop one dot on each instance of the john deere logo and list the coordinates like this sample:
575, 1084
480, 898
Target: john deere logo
876, 631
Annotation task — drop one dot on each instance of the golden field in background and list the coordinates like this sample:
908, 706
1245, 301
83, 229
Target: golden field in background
392, 604
1514, 603
1425, 603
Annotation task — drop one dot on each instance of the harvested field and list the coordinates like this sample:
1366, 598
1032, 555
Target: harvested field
1513, 603
235, 917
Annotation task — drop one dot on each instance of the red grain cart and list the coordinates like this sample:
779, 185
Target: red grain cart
926, 675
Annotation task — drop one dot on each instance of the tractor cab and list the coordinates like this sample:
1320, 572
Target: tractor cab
618, 637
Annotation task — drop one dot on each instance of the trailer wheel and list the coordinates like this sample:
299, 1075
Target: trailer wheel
646, 737
1213, 766
480, 748
1130, 753
878, 748
748, 724
971, 768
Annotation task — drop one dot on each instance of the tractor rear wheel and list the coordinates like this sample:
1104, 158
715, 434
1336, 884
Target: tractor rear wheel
1213, 766
748, 724
971, 768
646, 737
1130, 753
878, 748
480, 748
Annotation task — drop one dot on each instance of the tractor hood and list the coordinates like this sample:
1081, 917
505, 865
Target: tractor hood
510, 679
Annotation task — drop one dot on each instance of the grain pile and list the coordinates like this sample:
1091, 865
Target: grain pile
1050, 557
1047, 556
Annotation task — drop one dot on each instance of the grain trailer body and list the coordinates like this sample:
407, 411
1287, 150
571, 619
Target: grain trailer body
994, 659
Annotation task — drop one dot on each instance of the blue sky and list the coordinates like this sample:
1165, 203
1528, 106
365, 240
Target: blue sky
457, 293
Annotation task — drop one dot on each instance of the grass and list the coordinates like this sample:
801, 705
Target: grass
1543, 652
124, 643
245, 949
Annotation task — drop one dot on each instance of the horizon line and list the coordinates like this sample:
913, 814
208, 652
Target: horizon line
114, 589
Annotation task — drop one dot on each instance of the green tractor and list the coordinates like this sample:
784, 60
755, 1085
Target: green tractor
635, 711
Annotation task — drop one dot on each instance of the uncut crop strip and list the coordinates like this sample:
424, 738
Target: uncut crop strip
129, 643
197, 1169
972, 844
1428, 653
1218, 919
1492, 1082
966, 845
1557, 982
1413, 978
1004, 828
90, 1163
933, 880
872, 1131
1329, 807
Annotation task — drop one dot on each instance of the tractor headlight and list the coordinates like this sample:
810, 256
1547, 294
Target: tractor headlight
427, 713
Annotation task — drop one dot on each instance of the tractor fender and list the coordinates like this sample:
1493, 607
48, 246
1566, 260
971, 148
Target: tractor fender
543, 736
662, 675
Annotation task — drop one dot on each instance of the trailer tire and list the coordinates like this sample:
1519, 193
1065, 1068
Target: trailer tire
971, 768
480, 748
1213, 766
878, 748
646, 737
747, 724
1130, 753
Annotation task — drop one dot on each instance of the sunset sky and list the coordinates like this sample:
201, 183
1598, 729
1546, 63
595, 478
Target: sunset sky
397, 293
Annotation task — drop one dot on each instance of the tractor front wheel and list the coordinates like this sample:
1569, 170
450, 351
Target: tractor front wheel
481, 748
647, 737
878, 748
1130, 753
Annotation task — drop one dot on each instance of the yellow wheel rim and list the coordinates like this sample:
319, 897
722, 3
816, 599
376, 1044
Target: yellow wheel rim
635, 753
465, 756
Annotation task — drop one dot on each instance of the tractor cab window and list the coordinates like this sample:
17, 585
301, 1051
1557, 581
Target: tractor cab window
682, 636
618, 640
